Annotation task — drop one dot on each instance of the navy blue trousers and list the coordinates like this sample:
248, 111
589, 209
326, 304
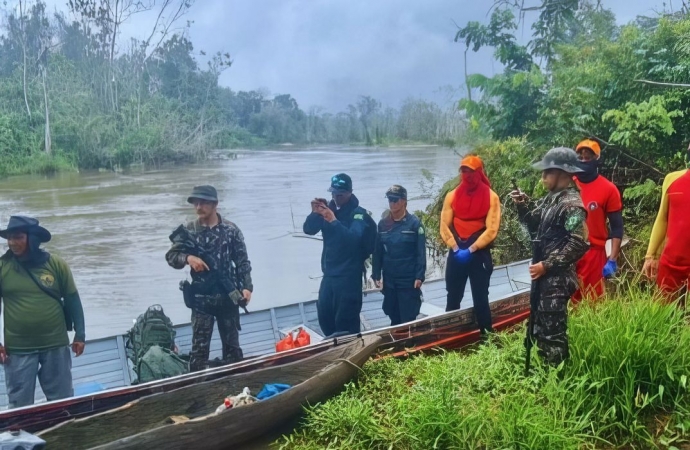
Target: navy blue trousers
401, 304
339, 305
479, 271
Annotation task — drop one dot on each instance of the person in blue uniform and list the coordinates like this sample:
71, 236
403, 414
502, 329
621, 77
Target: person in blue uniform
349, 234
399, 261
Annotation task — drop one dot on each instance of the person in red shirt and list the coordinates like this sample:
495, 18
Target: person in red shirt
670, 237
602, 200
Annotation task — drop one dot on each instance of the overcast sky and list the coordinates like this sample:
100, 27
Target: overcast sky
328, 52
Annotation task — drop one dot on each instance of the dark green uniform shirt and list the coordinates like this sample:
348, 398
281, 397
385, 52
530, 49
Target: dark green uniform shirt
33, 320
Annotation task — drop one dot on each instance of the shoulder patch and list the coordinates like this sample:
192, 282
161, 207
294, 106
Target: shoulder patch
574, 220
421, 230
359, 217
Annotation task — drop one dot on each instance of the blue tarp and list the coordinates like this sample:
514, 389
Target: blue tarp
269, 390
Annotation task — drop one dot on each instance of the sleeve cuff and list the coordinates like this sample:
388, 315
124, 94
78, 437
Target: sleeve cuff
248, 285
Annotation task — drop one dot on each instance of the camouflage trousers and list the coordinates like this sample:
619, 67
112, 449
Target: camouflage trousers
550, 327
212, 309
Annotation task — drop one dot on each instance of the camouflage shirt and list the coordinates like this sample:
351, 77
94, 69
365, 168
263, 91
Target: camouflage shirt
558, 222
223, 245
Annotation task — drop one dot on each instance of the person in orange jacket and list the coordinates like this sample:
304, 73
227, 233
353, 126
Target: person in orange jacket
672, 269
603, 203
469, 224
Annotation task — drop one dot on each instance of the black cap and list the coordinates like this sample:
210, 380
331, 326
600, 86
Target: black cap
341, 183
203, 193
397, 191
28, 225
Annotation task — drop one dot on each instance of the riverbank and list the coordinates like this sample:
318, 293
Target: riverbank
40, 163
625, 386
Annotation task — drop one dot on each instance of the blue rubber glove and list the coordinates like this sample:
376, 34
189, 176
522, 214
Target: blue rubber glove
610, 269
463, 256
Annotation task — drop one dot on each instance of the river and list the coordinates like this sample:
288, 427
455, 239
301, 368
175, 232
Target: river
113, 228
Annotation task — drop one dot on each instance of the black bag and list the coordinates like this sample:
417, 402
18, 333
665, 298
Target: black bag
187, 294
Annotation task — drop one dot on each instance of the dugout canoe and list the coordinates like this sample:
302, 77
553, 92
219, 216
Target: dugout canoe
185, 418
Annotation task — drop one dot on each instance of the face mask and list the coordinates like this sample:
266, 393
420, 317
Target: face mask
35, 255
591, 171
471, 179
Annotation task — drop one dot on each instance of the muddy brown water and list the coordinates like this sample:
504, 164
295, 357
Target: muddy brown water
113, 228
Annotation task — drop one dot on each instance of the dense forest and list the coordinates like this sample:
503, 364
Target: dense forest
75, 93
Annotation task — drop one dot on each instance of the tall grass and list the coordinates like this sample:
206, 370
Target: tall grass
37, 163
625, 385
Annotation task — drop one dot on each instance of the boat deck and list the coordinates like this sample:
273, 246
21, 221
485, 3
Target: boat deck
104, 360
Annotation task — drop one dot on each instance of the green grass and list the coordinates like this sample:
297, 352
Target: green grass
37, 163
624, 387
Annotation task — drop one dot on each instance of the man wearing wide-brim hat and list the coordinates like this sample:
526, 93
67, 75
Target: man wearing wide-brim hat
41, 303
556, 224
221, 276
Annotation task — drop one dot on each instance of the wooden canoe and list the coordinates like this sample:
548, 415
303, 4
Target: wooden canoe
148, 422
42, 416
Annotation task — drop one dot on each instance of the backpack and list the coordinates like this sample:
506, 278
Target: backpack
158, 363
151, 328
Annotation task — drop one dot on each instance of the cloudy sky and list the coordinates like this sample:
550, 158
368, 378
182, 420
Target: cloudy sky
327, 52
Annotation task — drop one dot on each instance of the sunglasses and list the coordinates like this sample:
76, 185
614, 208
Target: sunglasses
394, 199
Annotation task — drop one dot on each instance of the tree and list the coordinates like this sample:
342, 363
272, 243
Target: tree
104, 19
367, 107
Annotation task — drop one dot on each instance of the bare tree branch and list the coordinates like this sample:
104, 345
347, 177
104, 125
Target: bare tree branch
658, 83
624, 153
182, 9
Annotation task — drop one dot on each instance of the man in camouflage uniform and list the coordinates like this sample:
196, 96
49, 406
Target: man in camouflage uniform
556, 224
221, 276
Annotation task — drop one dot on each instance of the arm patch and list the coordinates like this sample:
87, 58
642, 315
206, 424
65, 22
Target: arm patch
574, 220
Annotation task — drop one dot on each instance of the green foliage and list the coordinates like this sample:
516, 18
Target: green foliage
556, 18
640, 124
509, 103
641, 200
590, 87
628, 364
497, 35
